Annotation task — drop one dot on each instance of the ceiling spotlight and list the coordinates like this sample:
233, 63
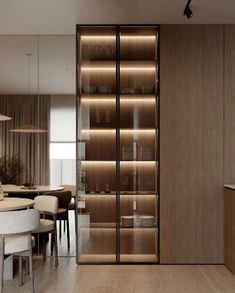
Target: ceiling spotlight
187, 11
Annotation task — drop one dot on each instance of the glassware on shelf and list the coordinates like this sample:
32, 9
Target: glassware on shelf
107, 188
127, 153
145, 153
104, 89
108, 116
97, 188
97, 116
88, 89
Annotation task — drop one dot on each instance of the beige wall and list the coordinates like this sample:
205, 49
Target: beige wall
192, 103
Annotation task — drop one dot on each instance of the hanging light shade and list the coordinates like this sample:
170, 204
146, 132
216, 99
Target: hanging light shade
4, 118
29, 128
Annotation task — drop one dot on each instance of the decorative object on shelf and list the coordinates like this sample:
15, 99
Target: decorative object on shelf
89, 89
4, 117
105, 89
127, 153
29, 128
128, 91
138, 221
107, 188
146, 221
145, 153
97, 188
147, 89
108, 116
97, 116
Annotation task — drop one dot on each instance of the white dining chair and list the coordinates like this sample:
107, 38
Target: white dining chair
16, 239
47, 206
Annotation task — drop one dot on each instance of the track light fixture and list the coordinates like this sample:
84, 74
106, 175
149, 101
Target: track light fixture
187, 10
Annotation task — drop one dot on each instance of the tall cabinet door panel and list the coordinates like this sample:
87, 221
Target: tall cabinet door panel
117, 144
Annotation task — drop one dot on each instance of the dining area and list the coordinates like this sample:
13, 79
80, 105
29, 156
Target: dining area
37, 202
27, 218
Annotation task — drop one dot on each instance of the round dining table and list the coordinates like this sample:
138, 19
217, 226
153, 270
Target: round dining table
15, 203
40, 189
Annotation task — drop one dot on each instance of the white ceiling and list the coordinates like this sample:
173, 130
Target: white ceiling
61, 16
56, 64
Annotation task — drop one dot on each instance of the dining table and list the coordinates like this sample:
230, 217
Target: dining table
15, 203
22, 191
37, 189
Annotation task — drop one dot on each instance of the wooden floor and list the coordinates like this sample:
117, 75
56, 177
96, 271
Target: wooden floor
70, 277
125, 279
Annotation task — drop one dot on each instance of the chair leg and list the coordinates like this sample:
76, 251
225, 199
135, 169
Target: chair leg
68, 232
1, 262
52, 243
64, 225
44, 246
32, 290
60, 229
56, 248
26, 265
20, 270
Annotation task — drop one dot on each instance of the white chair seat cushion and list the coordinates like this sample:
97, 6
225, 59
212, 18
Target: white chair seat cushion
45, 226
14, 244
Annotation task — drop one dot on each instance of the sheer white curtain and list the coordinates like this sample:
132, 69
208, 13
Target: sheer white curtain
62, 140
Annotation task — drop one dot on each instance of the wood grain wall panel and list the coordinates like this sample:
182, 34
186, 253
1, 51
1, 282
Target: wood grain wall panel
191, 184
229, 104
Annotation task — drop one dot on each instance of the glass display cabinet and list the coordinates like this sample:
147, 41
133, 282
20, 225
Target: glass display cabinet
117, 144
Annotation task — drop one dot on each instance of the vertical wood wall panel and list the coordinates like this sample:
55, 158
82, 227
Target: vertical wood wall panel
229, 104
191, 195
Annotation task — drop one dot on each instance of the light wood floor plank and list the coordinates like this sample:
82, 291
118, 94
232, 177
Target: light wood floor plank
126, 278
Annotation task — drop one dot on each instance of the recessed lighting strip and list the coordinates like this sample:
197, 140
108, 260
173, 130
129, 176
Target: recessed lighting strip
122, 37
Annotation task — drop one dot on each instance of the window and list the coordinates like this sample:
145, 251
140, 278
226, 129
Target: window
62, 140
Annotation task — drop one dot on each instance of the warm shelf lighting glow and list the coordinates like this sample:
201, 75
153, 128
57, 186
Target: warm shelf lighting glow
92, 101
145, 163
92, 163
97, 37
98, 68
123, 163
98, 131
122, 131
138, 38
122, 68
138, 131
138, 100
124, 100
135, 68
122, 37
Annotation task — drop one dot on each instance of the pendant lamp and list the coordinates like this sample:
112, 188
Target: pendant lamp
30, 128
4, 118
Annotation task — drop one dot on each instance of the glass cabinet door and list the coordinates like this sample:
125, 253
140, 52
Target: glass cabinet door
96, 147
138, 144
117, 144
